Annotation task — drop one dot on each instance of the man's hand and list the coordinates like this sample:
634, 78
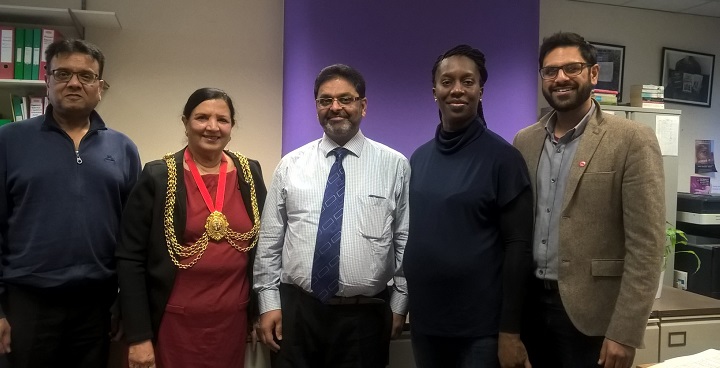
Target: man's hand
398, 324
616, 355
511, 351
269, 328
141, 355
4, 336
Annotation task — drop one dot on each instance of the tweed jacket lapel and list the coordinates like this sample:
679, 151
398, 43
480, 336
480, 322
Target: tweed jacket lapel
589, 141
535, 143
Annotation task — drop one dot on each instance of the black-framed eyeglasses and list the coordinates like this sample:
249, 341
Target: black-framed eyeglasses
343, 101
64, 76
570, 70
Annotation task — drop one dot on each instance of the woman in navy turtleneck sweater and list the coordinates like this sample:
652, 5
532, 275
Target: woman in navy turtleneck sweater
469, 245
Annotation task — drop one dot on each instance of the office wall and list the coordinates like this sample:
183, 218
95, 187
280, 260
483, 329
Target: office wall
166, 50
644, 33
394, 44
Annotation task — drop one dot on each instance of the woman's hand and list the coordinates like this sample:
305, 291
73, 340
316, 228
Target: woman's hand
141, 355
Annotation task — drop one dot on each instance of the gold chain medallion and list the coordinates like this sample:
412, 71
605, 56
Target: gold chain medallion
217, 226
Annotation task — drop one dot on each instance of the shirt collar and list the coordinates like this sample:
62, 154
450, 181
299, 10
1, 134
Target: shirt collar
354, 145
573, 133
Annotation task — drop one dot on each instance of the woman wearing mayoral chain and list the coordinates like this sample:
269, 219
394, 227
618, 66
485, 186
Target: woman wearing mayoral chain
187, 247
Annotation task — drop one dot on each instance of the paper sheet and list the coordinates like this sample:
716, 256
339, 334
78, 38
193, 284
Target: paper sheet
707, 359
667, 129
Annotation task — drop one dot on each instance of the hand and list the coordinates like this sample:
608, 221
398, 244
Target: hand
616, 355
141, 355
398, 324
270, 328
4, 336
511, 351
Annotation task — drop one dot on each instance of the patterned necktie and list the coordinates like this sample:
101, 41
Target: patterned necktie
326, 262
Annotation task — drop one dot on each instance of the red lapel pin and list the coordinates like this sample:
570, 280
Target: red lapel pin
582, 163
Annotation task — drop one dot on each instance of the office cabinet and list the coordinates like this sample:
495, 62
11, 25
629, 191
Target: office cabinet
681, 323
688, 335
651, 351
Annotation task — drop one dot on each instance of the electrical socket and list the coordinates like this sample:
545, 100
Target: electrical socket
680, 280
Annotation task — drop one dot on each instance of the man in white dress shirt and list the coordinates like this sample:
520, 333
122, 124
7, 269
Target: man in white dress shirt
350, 322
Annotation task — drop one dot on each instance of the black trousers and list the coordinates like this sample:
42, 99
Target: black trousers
317, 335
551, 339
59, 327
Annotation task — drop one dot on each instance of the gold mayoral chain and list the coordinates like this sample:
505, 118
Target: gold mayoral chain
216, 226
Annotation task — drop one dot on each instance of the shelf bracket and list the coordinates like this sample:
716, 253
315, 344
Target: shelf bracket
76, 23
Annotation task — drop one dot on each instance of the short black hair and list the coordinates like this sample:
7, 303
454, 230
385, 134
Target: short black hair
343, 71
468, 51
473, 54
204, 94
568, 39
72, 45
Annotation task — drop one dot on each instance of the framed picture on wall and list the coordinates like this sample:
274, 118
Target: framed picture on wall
687, 76
611, 59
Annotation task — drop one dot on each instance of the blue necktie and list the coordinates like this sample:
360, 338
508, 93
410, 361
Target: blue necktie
326, 262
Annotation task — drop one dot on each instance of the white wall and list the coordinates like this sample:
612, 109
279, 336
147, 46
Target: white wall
167, 49
644, 33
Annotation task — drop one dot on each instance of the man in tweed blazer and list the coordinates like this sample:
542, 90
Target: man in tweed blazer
599, 219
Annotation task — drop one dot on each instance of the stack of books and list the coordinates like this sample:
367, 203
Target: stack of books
647, 96
605, 96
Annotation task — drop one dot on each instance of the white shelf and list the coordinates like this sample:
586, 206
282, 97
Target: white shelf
59, 17
8, 83
97, 19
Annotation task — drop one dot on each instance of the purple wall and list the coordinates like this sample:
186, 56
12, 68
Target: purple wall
394, 45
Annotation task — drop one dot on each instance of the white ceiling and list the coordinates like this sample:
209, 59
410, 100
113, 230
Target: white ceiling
710, 8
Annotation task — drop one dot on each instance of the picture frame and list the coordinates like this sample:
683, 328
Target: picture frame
611, 59
687, 76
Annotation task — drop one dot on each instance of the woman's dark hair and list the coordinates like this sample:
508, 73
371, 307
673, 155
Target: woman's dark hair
203, 94
568, 39
471, 53
71, 46
341, 71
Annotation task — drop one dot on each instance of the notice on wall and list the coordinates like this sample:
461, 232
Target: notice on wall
704, 156
667, 129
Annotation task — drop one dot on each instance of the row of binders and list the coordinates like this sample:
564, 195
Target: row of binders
26, 107
22, 51
647, 96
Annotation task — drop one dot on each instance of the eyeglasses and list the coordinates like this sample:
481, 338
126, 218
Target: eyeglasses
570, 70
64, 76
342, 101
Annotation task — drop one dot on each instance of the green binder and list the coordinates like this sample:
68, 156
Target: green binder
17, 108
27, 55
19, 52
37, 36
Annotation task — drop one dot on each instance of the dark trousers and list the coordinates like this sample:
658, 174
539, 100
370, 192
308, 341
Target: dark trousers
549, 335
455, 352
317, 335
59, 327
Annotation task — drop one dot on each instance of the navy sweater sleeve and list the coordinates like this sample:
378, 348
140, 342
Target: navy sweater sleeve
516, 229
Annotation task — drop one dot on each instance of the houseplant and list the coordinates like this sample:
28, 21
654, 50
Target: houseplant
673, 237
